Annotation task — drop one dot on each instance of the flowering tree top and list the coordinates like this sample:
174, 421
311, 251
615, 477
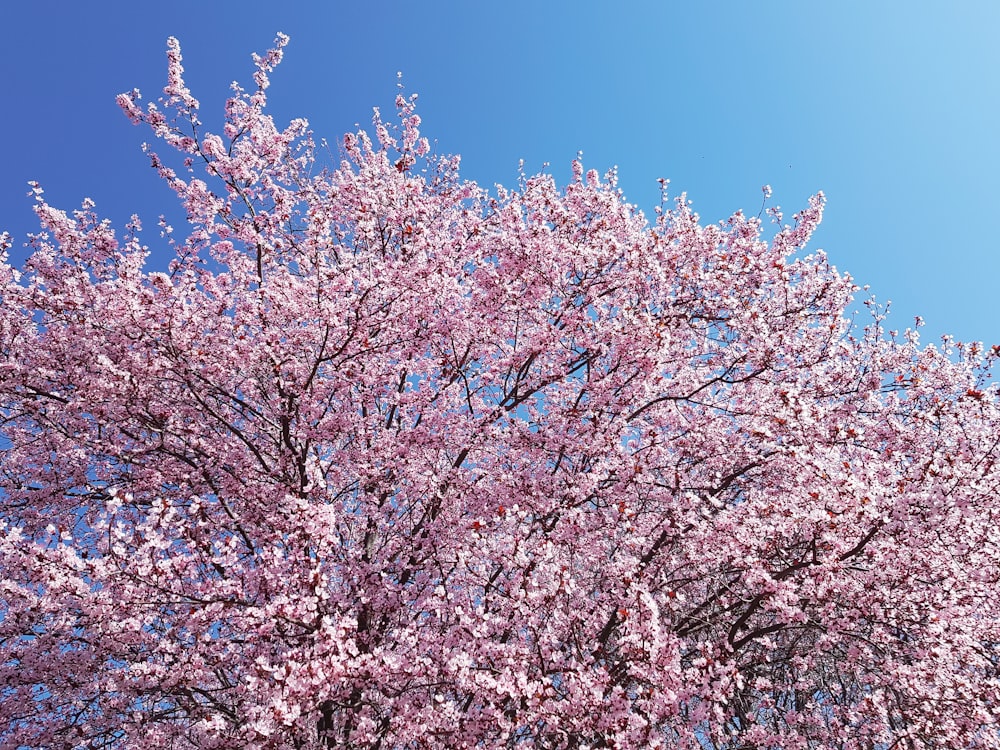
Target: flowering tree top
386, 461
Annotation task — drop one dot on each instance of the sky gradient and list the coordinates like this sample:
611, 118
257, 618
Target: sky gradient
891, 108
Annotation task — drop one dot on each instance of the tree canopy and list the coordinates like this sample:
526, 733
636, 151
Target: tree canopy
385, 460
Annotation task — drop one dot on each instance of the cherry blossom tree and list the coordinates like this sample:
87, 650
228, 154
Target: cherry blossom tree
385, 460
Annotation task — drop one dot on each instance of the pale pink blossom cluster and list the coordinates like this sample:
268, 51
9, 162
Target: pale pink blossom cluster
388, 461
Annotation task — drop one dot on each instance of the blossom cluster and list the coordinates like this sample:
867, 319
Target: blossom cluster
388, 461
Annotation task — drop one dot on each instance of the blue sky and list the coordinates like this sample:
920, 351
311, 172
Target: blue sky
891, 108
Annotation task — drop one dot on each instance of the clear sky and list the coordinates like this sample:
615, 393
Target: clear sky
891, 108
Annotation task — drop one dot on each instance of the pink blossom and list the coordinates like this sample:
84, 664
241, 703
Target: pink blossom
388, 460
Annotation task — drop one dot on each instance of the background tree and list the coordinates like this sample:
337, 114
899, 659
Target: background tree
386, 461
